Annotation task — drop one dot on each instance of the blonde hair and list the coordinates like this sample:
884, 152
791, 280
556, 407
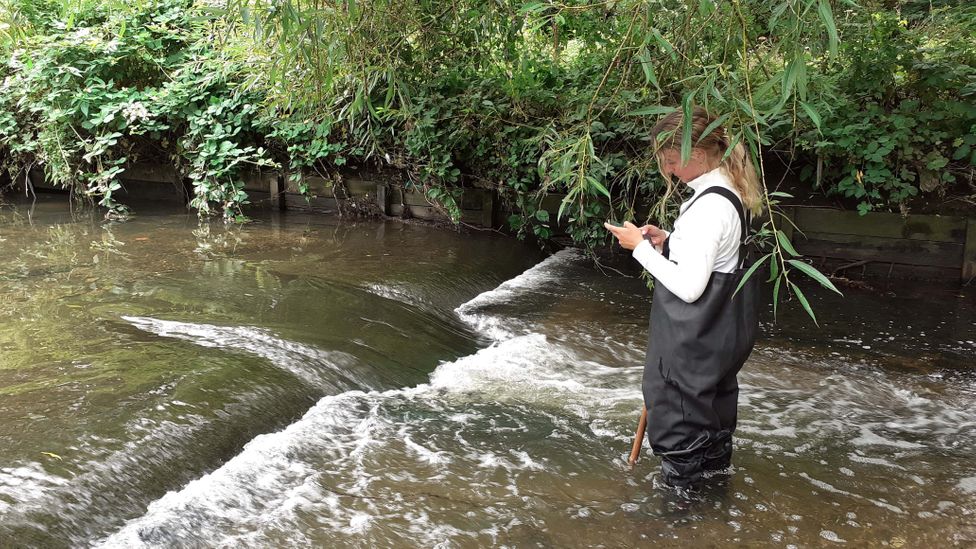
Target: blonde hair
737, 165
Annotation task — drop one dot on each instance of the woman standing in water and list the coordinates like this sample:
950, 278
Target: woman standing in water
701, 330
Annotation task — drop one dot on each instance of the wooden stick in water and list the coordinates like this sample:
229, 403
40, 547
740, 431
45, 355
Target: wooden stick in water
638, 438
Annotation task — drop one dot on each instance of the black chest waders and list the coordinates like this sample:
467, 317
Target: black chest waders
694, 352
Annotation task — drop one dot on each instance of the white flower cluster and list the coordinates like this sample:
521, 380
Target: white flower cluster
82, 34
14, 61
135, 111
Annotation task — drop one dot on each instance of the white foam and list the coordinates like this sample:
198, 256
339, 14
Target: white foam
393, 292
227, 495
433, 457
967, 485
870, 438
524, 366
303, 361
830, 488
874, 461
358, 523
26, 485
269, 480
830, 535
537, 276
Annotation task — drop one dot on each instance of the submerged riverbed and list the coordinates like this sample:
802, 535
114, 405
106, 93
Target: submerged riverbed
313, 381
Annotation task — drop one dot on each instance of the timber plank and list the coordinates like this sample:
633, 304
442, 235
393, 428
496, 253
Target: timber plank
400, 196
317, 185
151, 190
294, 201
360, 187
414, 198
150, 173
885, 270
488, 207
473, 217
551, 203
420, 212
881, 224
785, 225
260, 180
39, 181
474, 199
885, 250
383, 198
969, 252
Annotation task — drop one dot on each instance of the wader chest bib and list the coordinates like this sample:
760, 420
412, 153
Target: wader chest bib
694, 352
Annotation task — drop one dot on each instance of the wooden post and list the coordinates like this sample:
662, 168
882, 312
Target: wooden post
276, 191
787, 226
383, 198
969, 251
488, 209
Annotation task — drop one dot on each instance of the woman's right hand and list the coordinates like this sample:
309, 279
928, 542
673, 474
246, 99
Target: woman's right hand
655, 234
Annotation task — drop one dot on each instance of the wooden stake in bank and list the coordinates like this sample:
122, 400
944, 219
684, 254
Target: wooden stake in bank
638, 438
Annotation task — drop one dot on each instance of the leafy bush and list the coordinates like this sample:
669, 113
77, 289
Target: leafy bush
903, 118
528, 98
111, 87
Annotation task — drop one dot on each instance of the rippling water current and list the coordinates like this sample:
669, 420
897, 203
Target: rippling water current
305, 381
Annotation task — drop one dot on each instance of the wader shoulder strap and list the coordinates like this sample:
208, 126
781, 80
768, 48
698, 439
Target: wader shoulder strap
744, 231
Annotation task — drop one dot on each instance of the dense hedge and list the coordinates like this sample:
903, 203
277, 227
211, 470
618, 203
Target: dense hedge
523, 97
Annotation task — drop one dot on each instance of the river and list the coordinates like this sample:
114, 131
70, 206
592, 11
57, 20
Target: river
312, 381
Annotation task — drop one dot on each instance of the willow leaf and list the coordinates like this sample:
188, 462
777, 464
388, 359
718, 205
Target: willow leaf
711, 127
776, 295
813, 273
814, 116
686, 105
776, 14
645, 60
598, 186
773, 271
827, 17
785, 243
735, 141
804, 302
745, 277
664, 44
789, 81
653, 109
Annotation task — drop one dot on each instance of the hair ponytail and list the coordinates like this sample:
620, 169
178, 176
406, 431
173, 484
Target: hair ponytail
738, 166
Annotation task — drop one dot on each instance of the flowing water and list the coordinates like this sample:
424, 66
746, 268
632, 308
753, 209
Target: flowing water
308, 381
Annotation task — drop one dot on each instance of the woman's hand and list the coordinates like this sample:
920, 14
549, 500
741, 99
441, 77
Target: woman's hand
656, 235
629, 235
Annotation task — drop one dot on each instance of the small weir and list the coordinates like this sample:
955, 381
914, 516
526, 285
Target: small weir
301, 383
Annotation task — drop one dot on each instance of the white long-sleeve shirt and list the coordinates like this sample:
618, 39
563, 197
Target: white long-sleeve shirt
705, 239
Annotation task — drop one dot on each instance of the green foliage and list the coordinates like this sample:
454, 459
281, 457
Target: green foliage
108, 87
902, 120
306, 144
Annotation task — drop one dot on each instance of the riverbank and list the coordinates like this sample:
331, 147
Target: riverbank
855, 250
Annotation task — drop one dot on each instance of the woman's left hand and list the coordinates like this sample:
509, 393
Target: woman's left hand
629, 235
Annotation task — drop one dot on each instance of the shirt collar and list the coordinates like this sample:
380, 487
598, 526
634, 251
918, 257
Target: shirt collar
702, 180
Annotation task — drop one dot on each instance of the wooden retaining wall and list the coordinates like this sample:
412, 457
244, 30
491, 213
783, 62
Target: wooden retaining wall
839, 242
878, 243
